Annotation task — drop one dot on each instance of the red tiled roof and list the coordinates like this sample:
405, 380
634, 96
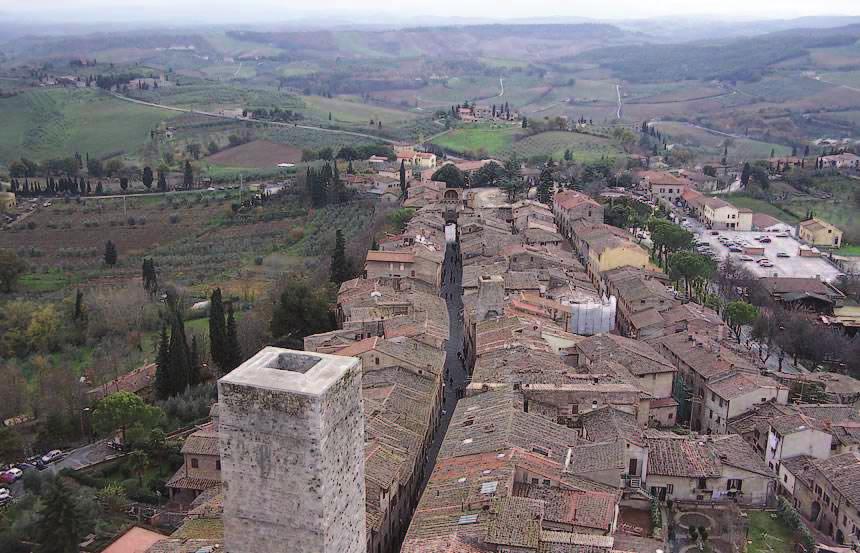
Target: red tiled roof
362, 346
398, 257
570, 199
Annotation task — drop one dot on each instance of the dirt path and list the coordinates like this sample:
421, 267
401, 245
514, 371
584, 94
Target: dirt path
239, 118
620, 103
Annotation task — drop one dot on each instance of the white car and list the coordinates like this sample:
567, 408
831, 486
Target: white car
53, 455
5, 495
16, 473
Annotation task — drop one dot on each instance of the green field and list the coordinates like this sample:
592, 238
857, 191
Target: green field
584, 147
503, 141
709, 144
494, 139
347, 111
768, 535
44, 124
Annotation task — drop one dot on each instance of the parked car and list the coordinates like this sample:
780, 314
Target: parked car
5, 496
735, 249
746, 258
53, 455
782, 235
7, 478
765, 240
782, 254
14, 474
766, 264
715, 233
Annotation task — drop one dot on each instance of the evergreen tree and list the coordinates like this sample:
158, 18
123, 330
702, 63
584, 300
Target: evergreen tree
403, 177
162, 366
150, 277
162, 181
745, 174
525, 124
545, 186
194, 376
147, 177
349, 169
188, 176
61, 524
217, 330
79, 305
234, 350
339, 265
806, 151
110, 253
179, 355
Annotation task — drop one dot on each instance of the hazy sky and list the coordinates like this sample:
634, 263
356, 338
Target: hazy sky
271, 11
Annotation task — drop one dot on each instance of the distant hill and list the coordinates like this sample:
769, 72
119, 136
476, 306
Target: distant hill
533, 42
745, 59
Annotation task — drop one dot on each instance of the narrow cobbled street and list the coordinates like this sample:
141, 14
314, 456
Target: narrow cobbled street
455, 367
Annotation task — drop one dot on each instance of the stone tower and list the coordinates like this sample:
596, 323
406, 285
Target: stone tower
292, 454
491, 297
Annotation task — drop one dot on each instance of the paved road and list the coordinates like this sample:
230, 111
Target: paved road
75, 460
240, 118
455, 371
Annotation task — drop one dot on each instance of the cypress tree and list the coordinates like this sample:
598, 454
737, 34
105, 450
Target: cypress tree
110, 253
188, 177
234, 349
61, 525
162, 366
403, 177
217, 331
162, 181
180, 357
194, 377
339, 266
79, 307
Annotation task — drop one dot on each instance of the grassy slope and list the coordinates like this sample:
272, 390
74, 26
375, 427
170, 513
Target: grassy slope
505, 140
768, 535
45, 124
584, 147
495, 140
347, 111
761, 206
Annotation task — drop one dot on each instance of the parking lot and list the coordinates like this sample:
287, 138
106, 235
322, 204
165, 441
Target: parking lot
793, 266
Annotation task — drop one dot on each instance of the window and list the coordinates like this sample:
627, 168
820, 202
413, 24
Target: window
546, 482
540, 450
734, 484
670, 488
217, 464
194, 462
713, 396
377, 360
703, 484
785, 478
671, 416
